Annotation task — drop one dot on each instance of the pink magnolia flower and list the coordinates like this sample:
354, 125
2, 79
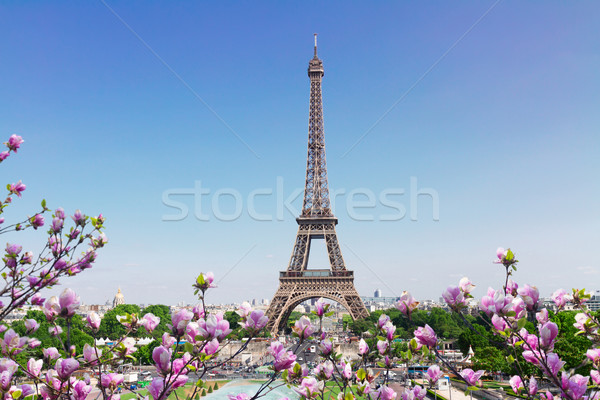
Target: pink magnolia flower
326, 347
310, 388
216, 326
383, 319
407, 304
466, 285
593, 355
512, 287
14, 142
425, 336
192, 333
324, 370
57, 225
501, 253
385, 393
198, 311
4, 155
382, 346
530, 295
580, 321
531, 339
282, 359
205, 281
346, 369
547, 396
12, 250
363, 347
516, 383
81, 390
303, 328
17, 188
470, 376
126, 347
150, 322
111, 380
167, 340
162, 359
575, 386
36, 221
93, 320
519, 307
454, 297
548, 333
79, 218
12, 343
560, 298
554, 364
211, 347
542, 316
55, 330
533, 386
256, 321
495, 302
68, 302
31, 325
595, 376
51, 353
37, 300
34, 367
244, 310
33, 343
65, 367
157, 389
419, 392
91, 354
321, 307
179, 321
434, 373
240, 396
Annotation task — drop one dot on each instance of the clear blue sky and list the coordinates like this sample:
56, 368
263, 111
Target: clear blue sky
504, 128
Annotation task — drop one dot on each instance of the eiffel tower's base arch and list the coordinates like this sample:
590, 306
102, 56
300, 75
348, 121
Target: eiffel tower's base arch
293, 290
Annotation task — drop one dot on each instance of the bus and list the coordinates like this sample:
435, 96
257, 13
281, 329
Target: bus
417, 371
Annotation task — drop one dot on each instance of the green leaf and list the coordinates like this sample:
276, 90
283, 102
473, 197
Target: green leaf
44, 204
382, 365
16, 394
361, 374
520, 343
200, 383
349, 396
188, 347
510, 359
509, 255
521, 323
472, 388
330, 313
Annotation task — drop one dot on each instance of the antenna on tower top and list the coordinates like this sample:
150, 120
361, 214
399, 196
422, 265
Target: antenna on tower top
315, 45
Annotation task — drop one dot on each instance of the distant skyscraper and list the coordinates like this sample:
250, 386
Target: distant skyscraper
377, 293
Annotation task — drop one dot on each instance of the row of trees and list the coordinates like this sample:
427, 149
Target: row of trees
477, 332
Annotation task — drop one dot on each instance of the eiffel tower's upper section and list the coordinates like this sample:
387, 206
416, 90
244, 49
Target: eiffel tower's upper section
316, 191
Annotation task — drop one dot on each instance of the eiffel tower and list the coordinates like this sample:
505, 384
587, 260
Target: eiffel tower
298, 283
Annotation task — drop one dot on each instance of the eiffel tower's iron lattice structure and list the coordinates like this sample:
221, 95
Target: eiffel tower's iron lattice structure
316, 221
